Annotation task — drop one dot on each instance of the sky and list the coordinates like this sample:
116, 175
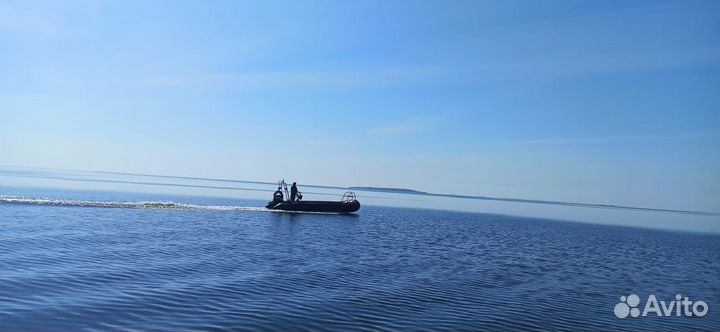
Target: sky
610, 102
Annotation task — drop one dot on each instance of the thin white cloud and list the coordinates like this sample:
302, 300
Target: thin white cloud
47, 20
324, 143
624, 140
19, 97
558, 65
341, 79
408, 127
548, 66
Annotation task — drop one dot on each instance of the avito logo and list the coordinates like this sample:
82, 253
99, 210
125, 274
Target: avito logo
678, 307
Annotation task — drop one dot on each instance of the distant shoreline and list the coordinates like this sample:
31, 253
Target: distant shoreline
390, 190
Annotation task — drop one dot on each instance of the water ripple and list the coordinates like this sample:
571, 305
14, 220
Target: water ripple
165, 267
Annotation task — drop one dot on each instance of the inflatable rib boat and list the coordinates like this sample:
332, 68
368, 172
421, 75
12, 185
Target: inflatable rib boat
348, 204
316, 206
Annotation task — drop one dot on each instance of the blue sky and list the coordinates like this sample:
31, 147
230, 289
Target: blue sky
609, 101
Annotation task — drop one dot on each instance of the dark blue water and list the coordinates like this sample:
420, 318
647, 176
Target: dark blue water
68, 267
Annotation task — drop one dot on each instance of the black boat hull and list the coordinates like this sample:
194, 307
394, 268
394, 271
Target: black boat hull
316, 206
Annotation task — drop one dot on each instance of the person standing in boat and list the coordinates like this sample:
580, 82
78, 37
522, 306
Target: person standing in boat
278, 196
294, 194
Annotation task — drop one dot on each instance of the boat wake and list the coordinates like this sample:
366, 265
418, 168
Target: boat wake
160, 205
122, 205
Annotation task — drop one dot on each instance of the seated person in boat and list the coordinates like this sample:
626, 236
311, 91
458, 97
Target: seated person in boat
278, 196
294, 194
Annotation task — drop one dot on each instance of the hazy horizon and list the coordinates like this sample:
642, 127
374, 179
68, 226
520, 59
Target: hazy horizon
39, 185
12, 171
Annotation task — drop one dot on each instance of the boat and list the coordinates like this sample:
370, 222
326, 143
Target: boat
317, 206
348, 203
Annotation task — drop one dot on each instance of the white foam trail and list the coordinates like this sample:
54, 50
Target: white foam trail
165, 205
122, 205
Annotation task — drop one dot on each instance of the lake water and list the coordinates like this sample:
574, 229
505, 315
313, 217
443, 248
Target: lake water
68, 262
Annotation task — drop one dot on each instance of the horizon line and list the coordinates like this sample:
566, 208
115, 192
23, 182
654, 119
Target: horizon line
368, 189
